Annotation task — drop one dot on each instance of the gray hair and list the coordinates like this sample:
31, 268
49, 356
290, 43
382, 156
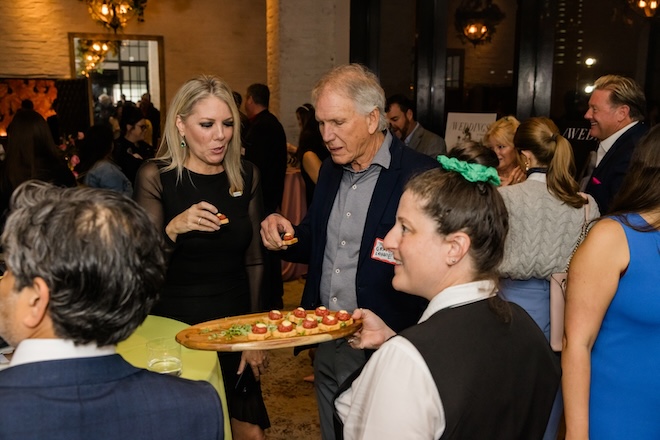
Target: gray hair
97, 251
357, 83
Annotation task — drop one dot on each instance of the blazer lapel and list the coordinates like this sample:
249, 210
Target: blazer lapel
383, 193
416, 140
623, 140
334, 180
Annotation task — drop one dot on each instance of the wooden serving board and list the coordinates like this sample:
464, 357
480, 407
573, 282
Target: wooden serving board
207, 335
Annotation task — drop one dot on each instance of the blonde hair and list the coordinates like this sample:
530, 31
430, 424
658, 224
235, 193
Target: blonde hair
541, 137
193, 91
502, 132
357, 83
624, 91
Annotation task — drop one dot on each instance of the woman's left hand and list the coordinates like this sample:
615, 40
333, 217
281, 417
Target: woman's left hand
199, 217
257, 360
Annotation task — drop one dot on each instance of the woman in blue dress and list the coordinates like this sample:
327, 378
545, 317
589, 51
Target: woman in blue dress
611, 355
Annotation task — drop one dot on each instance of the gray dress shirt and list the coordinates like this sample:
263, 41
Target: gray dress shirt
345, 227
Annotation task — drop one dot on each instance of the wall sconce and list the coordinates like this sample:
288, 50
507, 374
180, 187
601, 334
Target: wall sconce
647, 8
475, 20
114, 14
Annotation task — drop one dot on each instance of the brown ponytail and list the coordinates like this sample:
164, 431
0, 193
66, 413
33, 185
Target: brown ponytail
541, 137
560, 174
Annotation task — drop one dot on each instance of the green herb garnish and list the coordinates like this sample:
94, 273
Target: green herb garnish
236, 330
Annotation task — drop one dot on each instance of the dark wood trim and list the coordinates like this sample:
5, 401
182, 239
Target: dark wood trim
431, 66
535, 39
365, 33
652, 83
431, 53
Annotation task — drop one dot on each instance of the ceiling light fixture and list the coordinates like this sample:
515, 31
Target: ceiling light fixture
115, 14
646, 8
475, 20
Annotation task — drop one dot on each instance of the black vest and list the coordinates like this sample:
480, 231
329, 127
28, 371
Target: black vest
497, 376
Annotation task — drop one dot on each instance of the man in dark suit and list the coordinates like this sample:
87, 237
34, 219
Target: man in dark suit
341, 237
84, 267
401, 117
616, 111
265, 146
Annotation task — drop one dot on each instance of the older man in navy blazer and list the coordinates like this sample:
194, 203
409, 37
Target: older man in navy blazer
616, 111
84, 267
354, 207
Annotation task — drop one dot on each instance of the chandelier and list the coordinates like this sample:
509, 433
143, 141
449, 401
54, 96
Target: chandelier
92, 53
114, 14
647, 8
475, 20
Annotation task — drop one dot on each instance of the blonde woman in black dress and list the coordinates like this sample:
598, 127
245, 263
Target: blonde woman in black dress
215, 269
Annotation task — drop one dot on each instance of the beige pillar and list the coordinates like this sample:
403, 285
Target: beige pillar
305, 38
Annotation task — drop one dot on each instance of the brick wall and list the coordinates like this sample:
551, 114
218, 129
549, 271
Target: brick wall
222, 37
305, 39
286, 44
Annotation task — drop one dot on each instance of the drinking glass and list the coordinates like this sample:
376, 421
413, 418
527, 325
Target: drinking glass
164, 356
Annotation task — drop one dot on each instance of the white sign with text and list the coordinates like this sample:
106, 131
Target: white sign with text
462, 126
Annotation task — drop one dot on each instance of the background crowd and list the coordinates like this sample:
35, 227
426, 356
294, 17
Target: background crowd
445, 252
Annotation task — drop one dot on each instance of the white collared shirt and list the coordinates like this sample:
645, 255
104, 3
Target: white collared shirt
41, 350
395, 396
606, 144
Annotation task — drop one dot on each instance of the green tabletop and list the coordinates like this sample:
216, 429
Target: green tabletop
197, 365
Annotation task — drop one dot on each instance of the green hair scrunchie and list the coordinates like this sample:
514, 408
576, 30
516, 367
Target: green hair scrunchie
472, 172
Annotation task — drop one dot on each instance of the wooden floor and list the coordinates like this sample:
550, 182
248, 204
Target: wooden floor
289, 399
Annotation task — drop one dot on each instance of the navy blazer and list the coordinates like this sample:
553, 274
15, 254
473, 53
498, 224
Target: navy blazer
607, 177
373, 282
104, 398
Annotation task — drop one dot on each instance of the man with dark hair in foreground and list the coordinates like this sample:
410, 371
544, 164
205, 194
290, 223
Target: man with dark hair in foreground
84, 267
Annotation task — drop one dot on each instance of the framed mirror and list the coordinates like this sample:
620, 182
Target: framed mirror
124, 67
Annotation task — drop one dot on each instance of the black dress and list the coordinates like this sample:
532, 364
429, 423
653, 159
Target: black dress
310, 140
212, 274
